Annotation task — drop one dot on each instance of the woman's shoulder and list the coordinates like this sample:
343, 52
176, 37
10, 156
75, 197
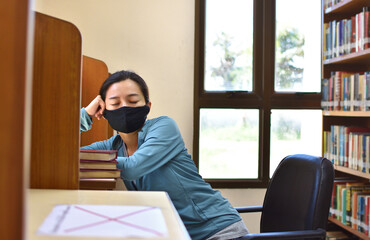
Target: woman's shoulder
163, 122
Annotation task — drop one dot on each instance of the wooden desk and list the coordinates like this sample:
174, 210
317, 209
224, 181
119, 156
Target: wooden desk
41, 202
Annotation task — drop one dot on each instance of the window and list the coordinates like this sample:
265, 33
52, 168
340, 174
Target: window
228, 63
225, 135
257, 87
292, 132
297, 46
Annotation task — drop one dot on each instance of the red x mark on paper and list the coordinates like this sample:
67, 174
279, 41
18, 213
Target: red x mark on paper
115, 219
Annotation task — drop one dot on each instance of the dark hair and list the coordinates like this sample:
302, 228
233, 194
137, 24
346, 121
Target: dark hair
121, 76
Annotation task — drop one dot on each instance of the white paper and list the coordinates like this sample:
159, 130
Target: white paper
104, 221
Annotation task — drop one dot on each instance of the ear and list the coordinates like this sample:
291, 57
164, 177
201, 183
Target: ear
149, 104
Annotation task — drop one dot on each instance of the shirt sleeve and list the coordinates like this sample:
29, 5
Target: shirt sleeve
162, 143
101, 145
86, 121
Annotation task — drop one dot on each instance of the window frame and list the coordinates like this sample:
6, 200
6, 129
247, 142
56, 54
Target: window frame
263, 97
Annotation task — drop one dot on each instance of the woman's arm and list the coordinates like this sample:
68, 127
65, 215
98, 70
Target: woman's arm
94, 109
162, 143
85, 121
101, 145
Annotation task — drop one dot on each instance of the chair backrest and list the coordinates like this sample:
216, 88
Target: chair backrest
298, 195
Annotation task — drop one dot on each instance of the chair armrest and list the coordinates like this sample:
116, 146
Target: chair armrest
304, 234
249, 209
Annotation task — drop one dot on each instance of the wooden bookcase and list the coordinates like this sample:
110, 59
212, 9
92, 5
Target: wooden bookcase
359, 118
352, 62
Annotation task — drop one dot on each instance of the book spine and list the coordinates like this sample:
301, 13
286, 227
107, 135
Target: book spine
356, 105
340, 39
366, 217
367, 83
346, 146
341, 145
343, 206
325, 93
337, 90
346, 91
357, 33
353, 35
349, 207
366, 12
367, 153
333, 44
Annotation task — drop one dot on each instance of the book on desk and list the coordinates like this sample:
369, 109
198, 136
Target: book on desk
98, 169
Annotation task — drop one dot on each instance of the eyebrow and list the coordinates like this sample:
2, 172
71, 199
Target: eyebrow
133, 95
113, 97
130, 95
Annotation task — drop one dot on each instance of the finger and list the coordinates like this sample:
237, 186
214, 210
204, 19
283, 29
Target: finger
102, 106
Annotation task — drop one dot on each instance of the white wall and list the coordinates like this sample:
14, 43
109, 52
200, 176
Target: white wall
153, 38
156, 40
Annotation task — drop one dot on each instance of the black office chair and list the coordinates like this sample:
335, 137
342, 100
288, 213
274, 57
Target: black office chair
297, 200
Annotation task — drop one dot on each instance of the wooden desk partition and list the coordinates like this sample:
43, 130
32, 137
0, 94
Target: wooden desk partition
94, 73
15, 81
56, 104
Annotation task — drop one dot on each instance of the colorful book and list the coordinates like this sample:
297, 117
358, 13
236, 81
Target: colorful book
351, 204
353, 35
366, 13
351, 188
348, 143
367, 79
333, 203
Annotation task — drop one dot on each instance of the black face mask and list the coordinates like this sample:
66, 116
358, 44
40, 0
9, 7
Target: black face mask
127, 119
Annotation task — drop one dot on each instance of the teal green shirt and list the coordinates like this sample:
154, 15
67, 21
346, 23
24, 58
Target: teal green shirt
162, 163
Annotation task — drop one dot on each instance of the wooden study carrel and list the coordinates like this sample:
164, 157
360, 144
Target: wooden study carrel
42, 63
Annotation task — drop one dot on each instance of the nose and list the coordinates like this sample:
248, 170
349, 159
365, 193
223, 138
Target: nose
123, 104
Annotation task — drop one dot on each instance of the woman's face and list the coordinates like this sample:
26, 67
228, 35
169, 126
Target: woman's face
125, 93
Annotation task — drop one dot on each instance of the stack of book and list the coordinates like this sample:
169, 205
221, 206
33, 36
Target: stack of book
345, 91
350, 204
348, 146
98, 169
346, 36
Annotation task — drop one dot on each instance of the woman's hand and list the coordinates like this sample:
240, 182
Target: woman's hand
96, 108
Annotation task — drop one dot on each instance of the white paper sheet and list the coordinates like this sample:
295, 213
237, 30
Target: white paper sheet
104, 221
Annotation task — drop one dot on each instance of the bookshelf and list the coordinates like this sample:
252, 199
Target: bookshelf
356, 62
362, 58
344, 9
348, 229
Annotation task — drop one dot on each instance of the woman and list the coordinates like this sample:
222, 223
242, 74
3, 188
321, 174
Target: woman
153, 157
